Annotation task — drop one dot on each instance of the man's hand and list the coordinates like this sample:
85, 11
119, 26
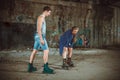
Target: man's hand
42, 42
74, 40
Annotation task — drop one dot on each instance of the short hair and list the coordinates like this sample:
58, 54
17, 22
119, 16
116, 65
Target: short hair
74, 28
46, 8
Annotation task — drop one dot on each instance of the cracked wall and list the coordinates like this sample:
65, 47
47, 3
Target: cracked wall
18, 22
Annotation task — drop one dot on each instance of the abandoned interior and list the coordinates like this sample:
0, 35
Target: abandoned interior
99, 25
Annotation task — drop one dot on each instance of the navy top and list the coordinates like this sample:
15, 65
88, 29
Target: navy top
66, 40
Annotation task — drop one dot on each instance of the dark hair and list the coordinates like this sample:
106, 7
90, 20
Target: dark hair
74, 28
46, 8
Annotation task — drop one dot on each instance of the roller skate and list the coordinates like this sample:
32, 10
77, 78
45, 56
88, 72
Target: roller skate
65, 65
70, 63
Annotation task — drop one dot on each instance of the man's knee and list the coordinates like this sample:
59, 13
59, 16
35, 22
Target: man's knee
65, 48
34, 51
70, 49
46, 51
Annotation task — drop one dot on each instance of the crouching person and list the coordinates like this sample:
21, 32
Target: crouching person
66, 46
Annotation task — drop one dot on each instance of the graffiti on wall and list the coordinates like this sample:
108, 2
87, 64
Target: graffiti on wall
62, 19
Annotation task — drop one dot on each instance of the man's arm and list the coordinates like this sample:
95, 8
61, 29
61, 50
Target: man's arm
39, 26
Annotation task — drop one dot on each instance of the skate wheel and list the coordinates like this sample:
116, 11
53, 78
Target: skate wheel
66, 68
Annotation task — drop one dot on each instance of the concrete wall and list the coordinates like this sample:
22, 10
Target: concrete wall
106, 26
18, 18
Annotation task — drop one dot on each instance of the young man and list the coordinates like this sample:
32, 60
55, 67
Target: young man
66, 46
40, 42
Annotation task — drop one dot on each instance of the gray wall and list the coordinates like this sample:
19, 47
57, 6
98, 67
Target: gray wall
100, 24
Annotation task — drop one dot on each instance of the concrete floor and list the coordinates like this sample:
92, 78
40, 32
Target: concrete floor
90, 64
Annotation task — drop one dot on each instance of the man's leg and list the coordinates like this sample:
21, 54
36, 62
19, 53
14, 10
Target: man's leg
64, 55
46, 67
30, 65
69, 61
70, 52
32, 56
65, 52
45, 56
